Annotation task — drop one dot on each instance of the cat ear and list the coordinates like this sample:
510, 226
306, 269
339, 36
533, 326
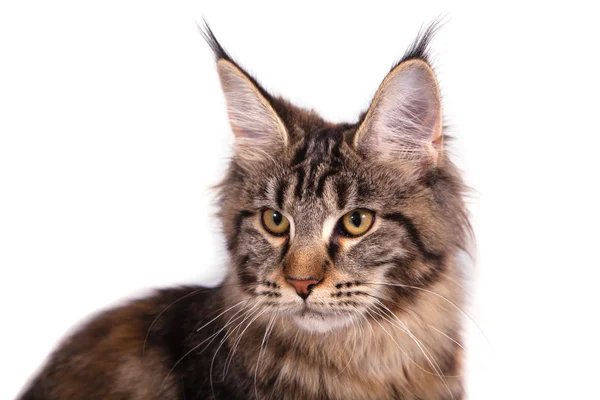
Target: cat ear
259, 131
404, 121
255, 123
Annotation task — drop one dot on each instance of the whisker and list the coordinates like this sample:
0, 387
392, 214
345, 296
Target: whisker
233, 306
195, 292
426, 353
229, 333
265, 338
407, 330
213, 336
403, 329
163, 311
391, 337
456, 342
260, 312
428, 356
236, 342
455, 281
351, 353
463, 312
230, 322
393, 340
369, 324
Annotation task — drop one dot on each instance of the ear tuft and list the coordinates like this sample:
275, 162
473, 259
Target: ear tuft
419, 49
208, 35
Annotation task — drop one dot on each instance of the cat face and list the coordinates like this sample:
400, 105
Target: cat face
328, 222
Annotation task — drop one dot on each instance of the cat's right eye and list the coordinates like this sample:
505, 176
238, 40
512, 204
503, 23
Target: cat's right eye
275, 222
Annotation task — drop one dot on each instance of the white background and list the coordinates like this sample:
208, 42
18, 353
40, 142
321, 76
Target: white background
113, 129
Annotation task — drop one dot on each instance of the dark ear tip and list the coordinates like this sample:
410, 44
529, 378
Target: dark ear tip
208, 35
420, 47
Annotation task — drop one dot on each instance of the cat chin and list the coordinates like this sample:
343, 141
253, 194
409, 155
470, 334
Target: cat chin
320, 323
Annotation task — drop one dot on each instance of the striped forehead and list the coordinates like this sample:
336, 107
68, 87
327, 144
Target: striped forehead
317, 163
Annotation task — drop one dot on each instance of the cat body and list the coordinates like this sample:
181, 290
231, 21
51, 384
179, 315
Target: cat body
343, 280
128, 353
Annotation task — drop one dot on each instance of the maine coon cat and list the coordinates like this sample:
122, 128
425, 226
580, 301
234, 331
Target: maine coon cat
343, 279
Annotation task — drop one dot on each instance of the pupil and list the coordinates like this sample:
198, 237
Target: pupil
277, 218
356, 219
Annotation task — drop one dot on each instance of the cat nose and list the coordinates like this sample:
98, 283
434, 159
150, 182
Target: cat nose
303, 286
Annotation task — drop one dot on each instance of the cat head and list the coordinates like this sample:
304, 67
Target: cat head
324, 221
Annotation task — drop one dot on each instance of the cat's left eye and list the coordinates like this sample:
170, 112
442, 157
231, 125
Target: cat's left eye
357, 222
275, 222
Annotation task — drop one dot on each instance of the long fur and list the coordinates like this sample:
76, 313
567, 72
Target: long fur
383, 318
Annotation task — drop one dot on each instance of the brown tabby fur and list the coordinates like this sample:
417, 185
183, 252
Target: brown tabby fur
397, 290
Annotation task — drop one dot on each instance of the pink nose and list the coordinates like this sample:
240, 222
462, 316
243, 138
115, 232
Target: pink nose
303, 286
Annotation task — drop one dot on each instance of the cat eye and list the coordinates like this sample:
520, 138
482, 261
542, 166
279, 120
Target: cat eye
357, 222
274, 222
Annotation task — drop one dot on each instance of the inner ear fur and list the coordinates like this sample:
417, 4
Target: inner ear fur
250, 114
404, 121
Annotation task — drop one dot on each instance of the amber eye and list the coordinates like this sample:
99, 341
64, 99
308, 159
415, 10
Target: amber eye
357, 222
274, 222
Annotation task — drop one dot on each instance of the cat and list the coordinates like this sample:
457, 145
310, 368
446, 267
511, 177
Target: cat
344, 280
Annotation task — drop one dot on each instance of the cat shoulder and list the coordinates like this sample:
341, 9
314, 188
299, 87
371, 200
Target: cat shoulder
124, 352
